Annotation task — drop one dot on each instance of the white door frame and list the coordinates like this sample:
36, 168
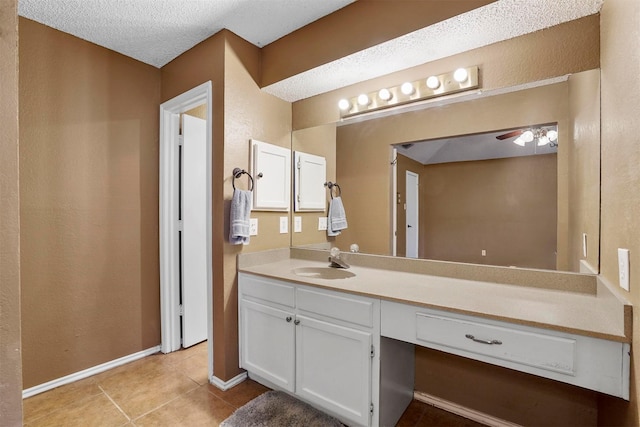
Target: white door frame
416, 211
169, 260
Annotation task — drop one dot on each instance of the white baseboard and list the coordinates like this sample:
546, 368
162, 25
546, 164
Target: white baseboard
463, 411
226, 385
88, 372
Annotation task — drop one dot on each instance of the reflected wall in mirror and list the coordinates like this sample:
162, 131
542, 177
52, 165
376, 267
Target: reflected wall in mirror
488, 198
365, 171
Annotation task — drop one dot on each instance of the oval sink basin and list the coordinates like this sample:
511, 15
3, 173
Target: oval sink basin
323, 272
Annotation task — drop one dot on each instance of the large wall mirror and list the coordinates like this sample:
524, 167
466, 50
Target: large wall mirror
479, 198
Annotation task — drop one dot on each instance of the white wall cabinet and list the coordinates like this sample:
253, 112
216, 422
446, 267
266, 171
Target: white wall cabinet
271, 176
312, 348
310, 174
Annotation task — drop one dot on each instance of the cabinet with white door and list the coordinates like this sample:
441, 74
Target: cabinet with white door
315, 343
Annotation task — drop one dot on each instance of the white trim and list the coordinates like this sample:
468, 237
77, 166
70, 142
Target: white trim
169, 289
88, 372
226, 385
394, 201
462, 411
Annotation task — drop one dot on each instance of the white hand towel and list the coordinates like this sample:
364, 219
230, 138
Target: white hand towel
239, 217
337, 217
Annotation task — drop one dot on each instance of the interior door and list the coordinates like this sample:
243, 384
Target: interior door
412, 214
194, 231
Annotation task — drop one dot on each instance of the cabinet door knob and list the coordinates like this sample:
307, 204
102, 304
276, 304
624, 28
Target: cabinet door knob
296, 322
288, 319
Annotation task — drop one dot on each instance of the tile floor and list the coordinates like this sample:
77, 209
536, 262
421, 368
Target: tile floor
168, 390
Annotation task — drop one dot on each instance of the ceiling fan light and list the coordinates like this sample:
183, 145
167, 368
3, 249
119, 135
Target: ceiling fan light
553, 135
543, 140
527, 136
519, 141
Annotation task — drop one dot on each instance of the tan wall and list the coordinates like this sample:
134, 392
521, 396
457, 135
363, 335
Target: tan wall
621, 174
240, 112
350, 30
583, 178
10, 347
514, 396
507, 207
567, 48
319, 141
363, 152
89, 204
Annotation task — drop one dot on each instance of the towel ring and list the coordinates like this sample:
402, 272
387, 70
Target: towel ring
330, 186
237, 173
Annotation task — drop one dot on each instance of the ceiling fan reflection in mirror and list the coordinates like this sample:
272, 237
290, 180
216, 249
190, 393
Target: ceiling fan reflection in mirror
541, 136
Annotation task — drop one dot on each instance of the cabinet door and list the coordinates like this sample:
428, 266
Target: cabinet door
272, 189
309, 179
333, 368
267, 343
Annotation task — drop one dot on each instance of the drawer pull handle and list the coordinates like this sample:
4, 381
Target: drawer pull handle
490, 342
296, 322
288, 319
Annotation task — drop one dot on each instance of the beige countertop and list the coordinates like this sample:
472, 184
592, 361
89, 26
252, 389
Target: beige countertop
569, 302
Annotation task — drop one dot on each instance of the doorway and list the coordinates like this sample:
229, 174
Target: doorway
412, 209
186, 306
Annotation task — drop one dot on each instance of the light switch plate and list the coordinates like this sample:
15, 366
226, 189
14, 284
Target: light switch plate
297, 224
284, 224
322, 223
623, 268
253, 227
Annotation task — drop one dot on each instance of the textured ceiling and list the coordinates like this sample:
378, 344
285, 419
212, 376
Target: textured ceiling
156, 31
495, 22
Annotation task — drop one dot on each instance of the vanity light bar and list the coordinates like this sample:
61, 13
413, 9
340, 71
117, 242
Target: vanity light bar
430, 87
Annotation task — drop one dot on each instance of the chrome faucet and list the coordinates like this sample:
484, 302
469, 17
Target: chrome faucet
335, 260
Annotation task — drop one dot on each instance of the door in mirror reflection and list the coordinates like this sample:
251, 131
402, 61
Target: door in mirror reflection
412, 208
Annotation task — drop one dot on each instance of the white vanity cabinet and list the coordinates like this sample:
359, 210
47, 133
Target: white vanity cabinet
315, 343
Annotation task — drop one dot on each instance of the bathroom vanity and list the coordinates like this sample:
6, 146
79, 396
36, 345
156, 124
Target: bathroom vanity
343, 339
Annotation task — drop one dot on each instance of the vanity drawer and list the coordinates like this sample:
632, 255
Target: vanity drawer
352, 309
533, 349
265, 289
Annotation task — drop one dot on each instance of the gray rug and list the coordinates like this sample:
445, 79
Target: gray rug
278, 409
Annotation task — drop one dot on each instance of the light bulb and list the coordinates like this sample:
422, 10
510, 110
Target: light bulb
519, 141
344, 104
543, 140
407, 88
527, 136
460, 75
553, 135
384, 94
363, 100
433, 82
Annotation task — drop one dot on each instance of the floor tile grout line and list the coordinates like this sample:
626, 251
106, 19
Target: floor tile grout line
116, 405
163, 405
57, 408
